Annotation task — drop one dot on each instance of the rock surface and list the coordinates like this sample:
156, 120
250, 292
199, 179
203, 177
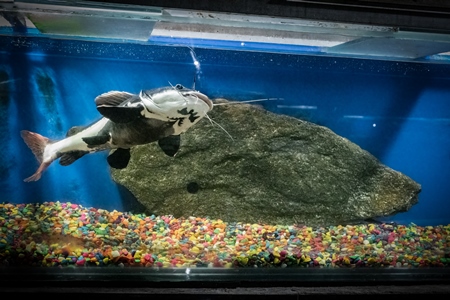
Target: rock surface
277, 169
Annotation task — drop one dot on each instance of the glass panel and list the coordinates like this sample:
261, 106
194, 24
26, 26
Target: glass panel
255, 191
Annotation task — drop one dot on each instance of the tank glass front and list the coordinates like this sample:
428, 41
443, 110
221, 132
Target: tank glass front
76, 216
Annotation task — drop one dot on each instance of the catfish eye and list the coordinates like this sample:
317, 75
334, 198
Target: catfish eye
179, 87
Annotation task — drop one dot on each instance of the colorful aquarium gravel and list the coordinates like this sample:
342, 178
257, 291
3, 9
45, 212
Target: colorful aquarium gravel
69, 235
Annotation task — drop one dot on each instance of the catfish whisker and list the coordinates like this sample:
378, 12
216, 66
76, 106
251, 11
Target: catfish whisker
248, 101
175, 88
197, 98
237, 102
214, 122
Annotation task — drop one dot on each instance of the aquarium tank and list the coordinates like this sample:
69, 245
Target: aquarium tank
148, 145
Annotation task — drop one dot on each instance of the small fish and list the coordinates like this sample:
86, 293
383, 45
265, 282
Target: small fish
128, 120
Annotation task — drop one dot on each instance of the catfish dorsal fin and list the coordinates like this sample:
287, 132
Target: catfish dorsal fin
112, 98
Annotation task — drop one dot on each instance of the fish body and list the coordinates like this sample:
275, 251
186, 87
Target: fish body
128, 120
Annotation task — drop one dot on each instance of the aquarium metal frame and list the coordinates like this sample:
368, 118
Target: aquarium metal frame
413, 15
117, 282
254, 276
195, 28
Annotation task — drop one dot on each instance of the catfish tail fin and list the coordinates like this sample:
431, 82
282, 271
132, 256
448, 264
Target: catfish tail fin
37, 144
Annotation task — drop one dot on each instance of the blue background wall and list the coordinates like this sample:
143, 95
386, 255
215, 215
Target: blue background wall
398, 111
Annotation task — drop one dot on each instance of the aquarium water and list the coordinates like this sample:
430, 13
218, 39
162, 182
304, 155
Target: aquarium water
399, 111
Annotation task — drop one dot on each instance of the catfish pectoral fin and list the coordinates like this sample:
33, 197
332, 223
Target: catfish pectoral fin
170, 144
119, 159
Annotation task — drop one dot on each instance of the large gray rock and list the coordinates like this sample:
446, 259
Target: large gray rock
277, 169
